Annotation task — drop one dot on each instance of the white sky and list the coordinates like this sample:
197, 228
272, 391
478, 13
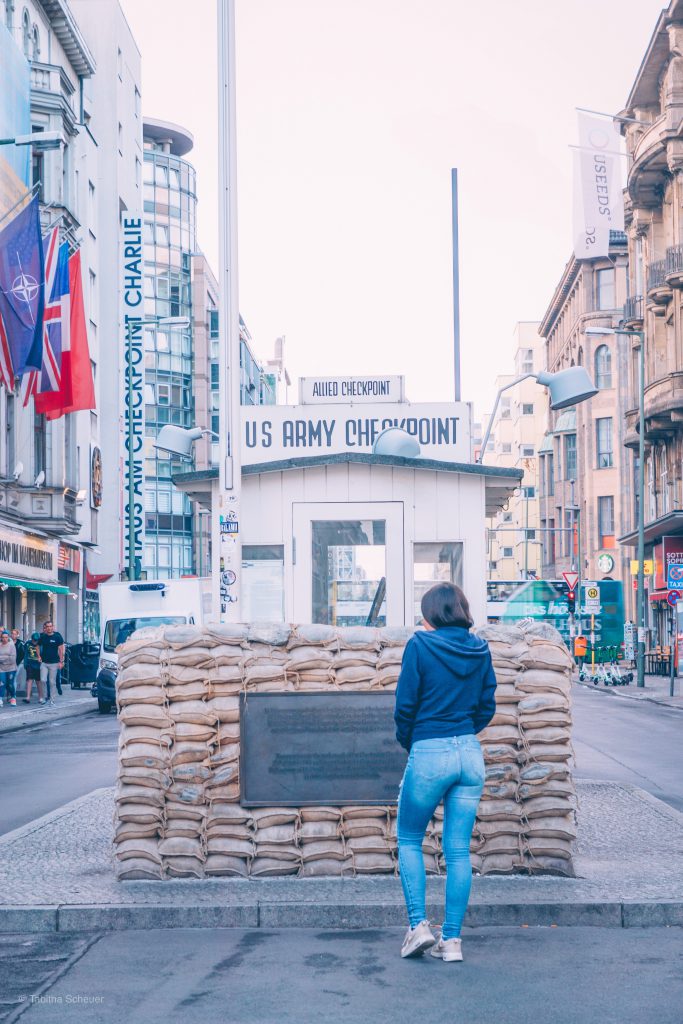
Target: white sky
351, 114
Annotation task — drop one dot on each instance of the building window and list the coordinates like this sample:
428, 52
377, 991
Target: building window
26, 34
528, 451
551, 473
39, 444
137, 102
603, 435
36, 43
605, 291
119, 63
570, 456
120, 138
529, 492
527, 409
603, 367
527, 360
507, 552
606, 537
530, 534
9, 10
506, 448
505, 408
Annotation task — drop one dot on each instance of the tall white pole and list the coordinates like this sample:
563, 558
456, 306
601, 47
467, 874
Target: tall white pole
226, 540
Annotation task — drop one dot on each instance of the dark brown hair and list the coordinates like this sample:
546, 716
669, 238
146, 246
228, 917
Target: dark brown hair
446, 605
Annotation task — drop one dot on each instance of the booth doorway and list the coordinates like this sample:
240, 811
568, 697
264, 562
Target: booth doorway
349, 563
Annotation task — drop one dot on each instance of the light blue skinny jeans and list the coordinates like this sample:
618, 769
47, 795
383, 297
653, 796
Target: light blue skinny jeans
451, 770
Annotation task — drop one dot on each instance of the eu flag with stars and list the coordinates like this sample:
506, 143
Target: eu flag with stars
22, 274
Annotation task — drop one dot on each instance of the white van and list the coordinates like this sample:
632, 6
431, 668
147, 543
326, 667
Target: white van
126, 607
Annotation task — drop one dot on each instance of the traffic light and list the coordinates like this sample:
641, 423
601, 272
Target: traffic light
571, 601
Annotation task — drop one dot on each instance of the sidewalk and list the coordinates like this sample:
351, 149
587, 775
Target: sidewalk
58, 876
72, 702
655, 691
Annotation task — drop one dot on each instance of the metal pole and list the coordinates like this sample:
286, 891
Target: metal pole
526, 534
456, 282
641, 514
227, 548
131, 454
577, 592
672, 657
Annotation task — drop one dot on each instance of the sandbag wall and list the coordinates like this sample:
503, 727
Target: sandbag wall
177, 800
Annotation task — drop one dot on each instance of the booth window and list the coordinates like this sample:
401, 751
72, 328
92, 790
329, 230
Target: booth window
263, 582
349, 572
435, 563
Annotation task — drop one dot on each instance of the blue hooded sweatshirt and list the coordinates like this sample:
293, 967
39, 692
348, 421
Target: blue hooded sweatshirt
446, 687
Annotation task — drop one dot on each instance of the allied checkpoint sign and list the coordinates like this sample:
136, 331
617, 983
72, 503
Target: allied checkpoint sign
357, 389
271, 433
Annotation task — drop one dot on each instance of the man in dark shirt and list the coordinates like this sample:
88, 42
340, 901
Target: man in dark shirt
51, 646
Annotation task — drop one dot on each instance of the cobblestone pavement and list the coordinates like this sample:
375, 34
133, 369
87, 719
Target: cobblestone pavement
304, 976
630, 848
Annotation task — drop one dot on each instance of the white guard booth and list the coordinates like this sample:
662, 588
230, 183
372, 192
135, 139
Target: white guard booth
332, 533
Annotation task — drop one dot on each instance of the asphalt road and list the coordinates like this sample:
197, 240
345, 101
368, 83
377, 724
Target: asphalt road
623, 740
614, 738
510, 976
48, 765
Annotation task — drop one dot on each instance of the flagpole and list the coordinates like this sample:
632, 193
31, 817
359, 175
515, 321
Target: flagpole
20, 201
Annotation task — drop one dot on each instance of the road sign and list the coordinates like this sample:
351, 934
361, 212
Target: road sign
673, 597
571, 579
591, 598
648, 567
674, 576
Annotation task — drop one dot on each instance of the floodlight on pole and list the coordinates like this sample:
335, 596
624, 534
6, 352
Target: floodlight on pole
178, 441
41, 141
640, 585
566, 388
396, 441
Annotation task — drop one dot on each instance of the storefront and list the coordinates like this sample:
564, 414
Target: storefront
29, 580
333, 533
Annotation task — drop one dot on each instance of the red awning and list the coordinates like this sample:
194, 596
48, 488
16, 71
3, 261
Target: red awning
659, 595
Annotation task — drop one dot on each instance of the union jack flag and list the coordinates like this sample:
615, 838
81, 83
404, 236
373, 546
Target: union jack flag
56, 320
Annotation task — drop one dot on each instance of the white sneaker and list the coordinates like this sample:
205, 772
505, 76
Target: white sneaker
449, 950
417, 940
41, 701
51, 703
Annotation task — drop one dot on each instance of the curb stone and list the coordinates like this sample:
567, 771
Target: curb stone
357, 916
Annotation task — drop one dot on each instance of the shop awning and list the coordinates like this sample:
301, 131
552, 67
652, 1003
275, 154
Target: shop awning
50, 588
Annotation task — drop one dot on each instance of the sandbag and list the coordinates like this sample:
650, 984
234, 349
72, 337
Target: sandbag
358, 638
321, 814
183, 867
265, 867
312, 636
151, 715
148, 849
219, 865
138, 869
324, 850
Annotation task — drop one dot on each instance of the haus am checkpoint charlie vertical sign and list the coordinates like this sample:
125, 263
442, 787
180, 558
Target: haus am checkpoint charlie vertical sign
271, 432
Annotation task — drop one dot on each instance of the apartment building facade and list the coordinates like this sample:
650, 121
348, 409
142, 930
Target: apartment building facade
586, 474
514, 541
654, 225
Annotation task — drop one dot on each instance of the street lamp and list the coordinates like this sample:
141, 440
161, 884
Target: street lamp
178, 441
131, 323
640, 601
41, 141
567, 387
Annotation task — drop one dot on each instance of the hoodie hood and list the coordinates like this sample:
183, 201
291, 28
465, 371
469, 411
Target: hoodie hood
460, 651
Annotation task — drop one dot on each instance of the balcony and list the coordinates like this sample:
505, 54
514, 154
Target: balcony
663, 411
52, 509
52, 90
634, 308
674, 265
659, 291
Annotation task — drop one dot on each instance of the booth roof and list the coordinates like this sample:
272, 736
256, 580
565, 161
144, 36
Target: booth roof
500, 480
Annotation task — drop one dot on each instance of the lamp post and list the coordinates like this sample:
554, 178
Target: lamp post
131, 323
567, 387
226, 570
640, 599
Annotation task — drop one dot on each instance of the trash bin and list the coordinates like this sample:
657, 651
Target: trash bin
80, 665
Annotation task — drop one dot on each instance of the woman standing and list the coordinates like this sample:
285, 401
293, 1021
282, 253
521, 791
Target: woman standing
8, 667
445, 695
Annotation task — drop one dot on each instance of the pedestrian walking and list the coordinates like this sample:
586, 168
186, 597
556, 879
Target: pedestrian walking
444, 697
51, 644
20, 678
8, 668
32, 666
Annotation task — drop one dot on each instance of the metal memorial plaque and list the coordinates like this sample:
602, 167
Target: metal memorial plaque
323, 748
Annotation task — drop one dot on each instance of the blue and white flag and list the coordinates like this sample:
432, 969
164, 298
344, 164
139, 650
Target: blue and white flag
22, 273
